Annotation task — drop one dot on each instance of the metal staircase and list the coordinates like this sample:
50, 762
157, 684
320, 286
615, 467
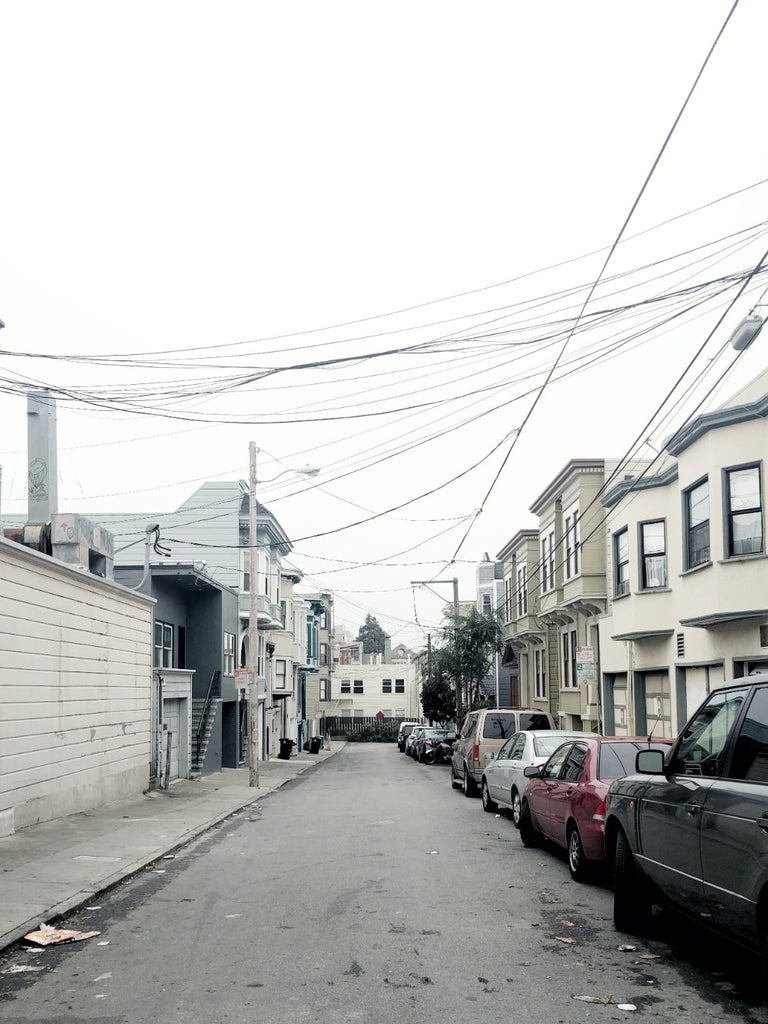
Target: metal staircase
204, 712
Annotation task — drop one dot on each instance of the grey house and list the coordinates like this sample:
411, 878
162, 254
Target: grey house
201, 714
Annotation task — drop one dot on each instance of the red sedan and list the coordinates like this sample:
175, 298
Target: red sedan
565, 797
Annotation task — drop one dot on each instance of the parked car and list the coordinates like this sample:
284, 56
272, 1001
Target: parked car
565, 797
503, 782
483, 734
691, 830
411, 738
430, 737
403, 733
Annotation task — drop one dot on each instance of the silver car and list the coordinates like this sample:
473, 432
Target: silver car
503, 782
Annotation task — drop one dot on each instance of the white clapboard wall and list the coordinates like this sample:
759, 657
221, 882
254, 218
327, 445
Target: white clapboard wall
75, 689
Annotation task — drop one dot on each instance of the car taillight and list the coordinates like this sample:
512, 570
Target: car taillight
599, 814
475, 753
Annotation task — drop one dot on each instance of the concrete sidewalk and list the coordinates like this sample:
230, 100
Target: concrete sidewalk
50, 869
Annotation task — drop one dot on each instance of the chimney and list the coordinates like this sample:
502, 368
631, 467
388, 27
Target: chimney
42, 492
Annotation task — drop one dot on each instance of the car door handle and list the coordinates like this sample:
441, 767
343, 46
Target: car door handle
762, 822
569, 791
693, 809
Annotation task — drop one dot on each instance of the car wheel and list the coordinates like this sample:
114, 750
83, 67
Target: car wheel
468, 783
578, 864
516, 808
455, 783
528, 833
632, 905
488, 804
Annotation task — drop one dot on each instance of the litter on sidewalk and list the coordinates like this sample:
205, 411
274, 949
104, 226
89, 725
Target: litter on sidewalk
45, 935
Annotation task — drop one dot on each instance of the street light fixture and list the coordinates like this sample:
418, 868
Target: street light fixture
253, 625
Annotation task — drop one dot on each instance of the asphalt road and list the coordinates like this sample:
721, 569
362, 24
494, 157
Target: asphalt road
368, 890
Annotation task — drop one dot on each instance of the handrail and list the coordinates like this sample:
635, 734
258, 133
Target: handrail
215, 676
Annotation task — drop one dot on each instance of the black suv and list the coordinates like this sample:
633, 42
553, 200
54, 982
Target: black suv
691, 829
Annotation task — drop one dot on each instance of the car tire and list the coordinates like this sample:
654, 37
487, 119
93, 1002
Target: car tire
517, 806
455, 783
632, 905
578, 865
488, 805
528, 833
468, 784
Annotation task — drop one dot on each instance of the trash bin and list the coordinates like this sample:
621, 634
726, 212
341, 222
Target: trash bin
314, 744
286, 746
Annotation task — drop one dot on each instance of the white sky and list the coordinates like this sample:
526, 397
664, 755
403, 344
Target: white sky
210, 176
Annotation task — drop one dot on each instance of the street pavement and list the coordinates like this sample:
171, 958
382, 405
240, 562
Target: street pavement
50, 869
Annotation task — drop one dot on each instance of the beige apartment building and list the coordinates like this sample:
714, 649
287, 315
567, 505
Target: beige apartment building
686, 553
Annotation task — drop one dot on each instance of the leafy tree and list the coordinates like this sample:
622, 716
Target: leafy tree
373, 636
438, 688
477, 638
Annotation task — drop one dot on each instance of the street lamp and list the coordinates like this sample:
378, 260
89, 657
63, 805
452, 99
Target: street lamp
253, 625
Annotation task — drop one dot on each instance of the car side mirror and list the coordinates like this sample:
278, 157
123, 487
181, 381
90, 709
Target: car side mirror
532, 771
649, 762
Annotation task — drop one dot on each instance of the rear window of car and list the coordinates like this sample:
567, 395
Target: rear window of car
618, 759
499, 726
406, 730
543, 746
535, 721
435, 733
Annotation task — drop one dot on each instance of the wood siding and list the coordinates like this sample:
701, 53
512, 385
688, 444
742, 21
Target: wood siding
75, 689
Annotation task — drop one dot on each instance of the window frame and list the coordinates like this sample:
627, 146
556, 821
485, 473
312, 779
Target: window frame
621, 573
228, 653
645, 556
358, 686
548, 561
522, 589
325, 689
346, 687
730, 515
571, 536
540, 673
276, 675
689, 528
568, 646
386, 686
162, 649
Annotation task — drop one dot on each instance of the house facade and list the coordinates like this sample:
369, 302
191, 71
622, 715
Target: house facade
366, 685
530, 645
686, 550
199, 726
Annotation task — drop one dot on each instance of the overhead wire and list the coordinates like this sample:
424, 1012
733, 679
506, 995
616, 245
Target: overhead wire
611, 251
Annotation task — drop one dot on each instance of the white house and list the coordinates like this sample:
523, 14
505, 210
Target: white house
687, 560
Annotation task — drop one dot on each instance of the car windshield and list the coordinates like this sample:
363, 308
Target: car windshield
618, 759
498, 725
435, 733
543, 746
534, 720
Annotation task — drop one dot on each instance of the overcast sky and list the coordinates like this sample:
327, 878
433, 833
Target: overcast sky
206, 203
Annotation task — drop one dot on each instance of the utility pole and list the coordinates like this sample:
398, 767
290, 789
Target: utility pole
253, 628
